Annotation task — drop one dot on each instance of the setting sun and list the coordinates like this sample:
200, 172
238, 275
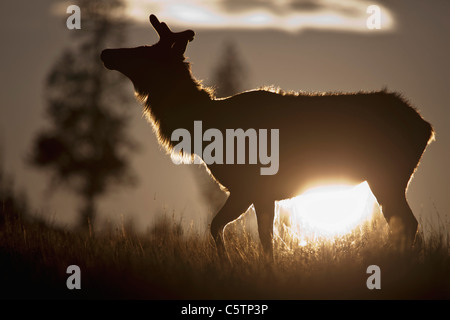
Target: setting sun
325, 211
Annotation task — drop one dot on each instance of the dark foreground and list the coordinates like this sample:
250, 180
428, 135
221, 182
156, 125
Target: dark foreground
117, 263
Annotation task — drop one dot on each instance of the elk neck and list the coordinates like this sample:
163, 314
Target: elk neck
178, 102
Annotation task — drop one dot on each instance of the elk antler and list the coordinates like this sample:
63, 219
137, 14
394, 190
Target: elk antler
168, 37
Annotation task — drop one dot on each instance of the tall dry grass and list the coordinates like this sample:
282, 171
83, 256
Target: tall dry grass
169, 263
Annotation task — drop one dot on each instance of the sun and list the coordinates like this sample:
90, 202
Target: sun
326, 212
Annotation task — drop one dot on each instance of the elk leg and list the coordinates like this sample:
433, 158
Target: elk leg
265, 215
231, 210
398, 214
401, 219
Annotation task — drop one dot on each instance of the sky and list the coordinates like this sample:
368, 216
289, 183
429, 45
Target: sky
295, 45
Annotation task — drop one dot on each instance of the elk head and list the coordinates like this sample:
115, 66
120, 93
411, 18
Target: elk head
147, 65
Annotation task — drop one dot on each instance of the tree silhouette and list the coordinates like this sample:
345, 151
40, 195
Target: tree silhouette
230, 75
86, 147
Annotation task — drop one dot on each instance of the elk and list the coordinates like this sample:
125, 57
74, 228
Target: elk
363, 136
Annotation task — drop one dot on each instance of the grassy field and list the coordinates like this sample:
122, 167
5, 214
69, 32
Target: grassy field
166, 263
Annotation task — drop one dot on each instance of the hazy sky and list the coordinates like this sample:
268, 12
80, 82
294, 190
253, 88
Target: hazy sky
296, 45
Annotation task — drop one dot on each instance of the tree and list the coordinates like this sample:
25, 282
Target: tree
230, 75
87, 146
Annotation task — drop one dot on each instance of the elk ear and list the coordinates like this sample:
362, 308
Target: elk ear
169, 38
181, 41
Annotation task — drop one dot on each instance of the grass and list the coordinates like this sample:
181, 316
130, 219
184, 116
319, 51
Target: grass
166, 263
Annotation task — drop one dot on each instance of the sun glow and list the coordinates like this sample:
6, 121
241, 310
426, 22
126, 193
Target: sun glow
321, 213
324, 212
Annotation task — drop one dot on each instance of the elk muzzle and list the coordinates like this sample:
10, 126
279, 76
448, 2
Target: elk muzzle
109, 58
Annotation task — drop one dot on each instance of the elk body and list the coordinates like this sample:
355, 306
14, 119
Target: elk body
375, 137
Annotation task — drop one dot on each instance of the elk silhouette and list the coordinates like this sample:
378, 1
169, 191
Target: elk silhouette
365, 136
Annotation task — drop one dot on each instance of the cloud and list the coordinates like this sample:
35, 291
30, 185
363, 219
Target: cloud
286, 15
